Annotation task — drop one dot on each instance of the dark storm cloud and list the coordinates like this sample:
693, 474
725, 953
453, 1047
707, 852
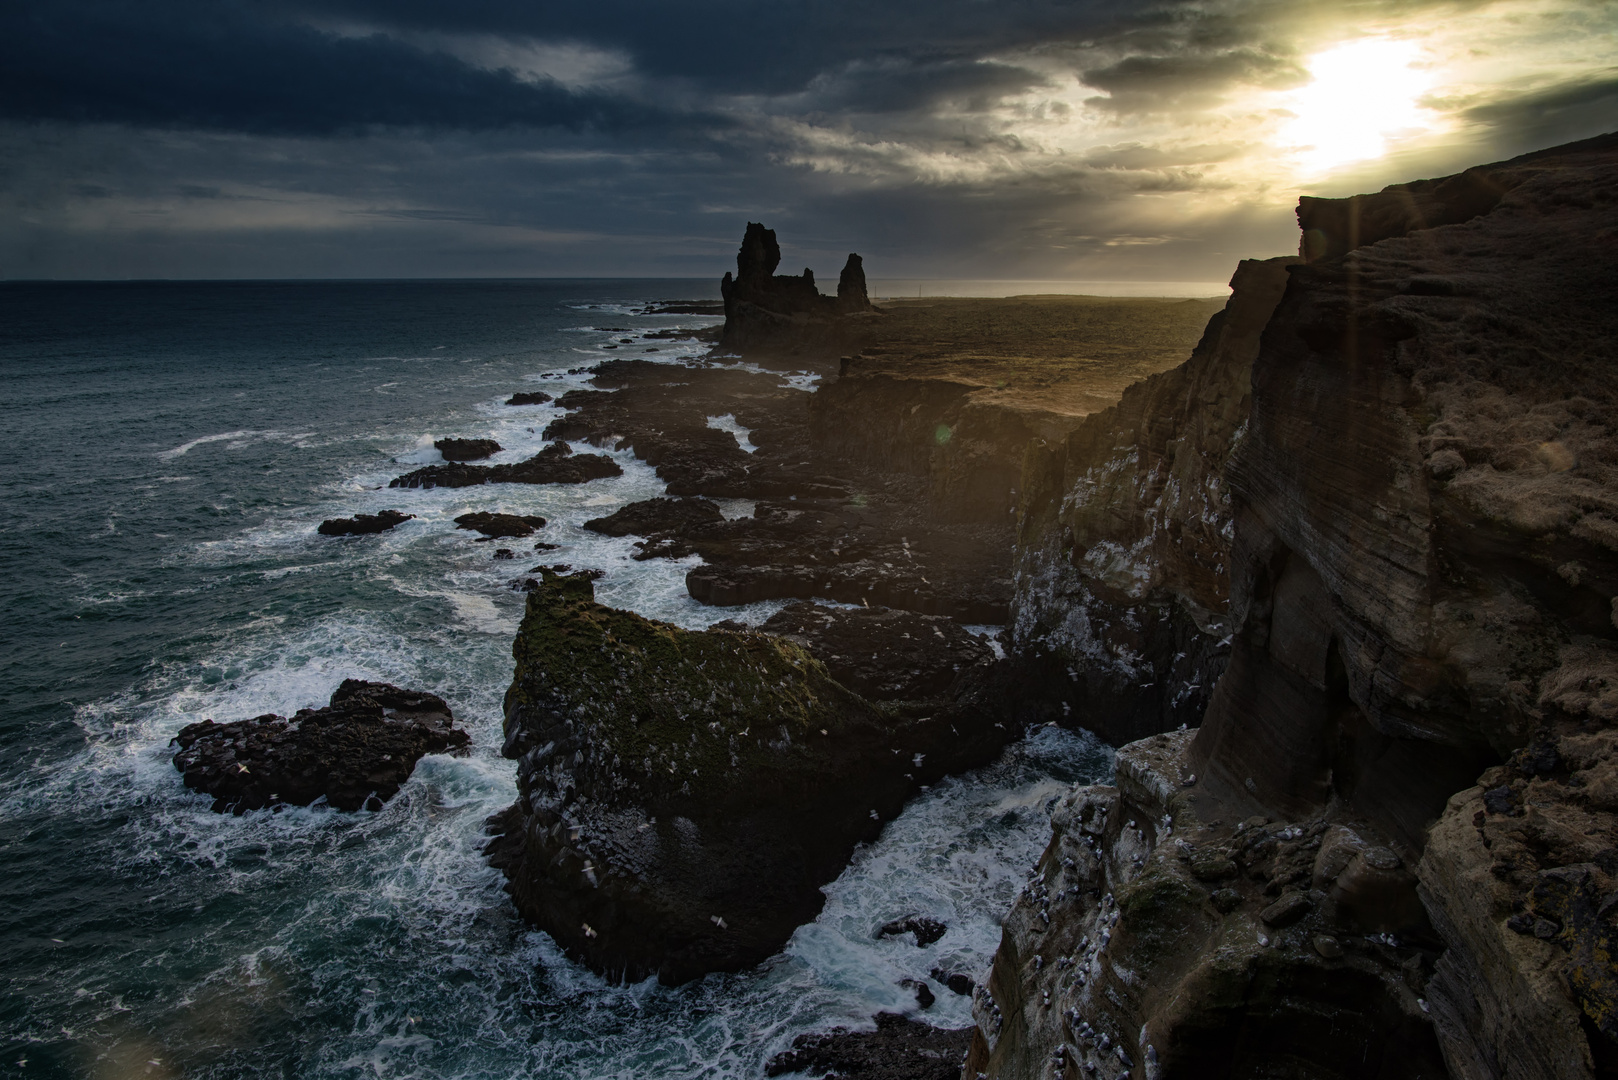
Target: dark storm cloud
226, 66
944, 137
1147, 83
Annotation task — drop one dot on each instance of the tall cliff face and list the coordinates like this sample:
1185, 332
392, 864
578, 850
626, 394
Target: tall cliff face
1124, 537
1396, 825
770, 312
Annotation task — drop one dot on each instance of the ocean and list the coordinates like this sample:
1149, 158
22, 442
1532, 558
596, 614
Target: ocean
169, 450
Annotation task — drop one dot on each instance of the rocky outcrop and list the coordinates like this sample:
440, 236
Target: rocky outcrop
899, 1049
363, 524
658, 518
684, 795
556, 464
495, 526
1159, 937
772, 313
466, 449
355, 753
881, 653
1123, 549
1422, 565
529, 397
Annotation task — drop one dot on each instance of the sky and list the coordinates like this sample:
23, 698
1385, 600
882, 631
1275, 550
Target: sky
1028, 139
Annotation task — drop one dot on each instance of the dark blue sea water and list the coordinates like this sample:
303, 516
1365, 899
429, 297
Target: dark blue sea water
168, 450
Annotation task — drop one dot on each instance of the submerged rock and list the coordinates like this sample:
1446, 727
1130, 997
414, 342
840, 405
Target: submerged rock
466, 449
685, 794
362, 524
926, 930
355, 752
500, 525
556, 464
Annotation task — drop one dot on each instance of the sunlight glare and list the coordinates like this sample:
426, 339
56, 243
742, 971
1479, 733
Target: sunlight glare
1363, 93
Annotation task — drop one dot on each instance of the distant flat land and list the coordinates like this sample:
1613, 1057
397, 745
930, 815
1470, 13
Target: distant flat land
1069, 355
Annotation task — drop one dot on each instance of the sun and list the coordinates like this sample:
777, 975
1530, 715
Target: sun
1362, 95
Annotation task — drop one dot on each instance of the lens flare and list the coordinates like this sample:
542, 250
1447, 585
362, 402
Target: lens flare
1363, 95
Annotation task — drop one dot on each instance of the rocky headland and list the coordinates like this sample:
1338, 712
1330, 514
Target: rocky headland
1389, 848
355, 752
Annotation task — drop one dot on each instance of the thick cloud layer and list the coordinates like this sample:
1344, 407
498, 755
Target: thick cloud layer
1027, 139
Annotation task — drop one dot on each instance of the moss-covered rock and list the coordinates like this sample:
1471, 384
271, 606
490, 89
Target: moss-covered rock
685, 794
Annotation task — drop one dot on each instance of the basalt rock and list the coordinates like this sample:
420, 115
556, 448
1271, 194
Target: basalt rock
466, 449
1124, 540
355, 752
1423, 678
899, 1049
766, 312
556, 464
685, 795
494, 525
657, 517
1122, 958
529, 397
881, 653
363, 524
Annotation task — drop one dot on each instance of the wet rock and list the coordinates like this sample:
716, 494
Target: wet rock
958, 982
923, 992
363, 524
899, 1049
500, 525
1327, 946
466, 449
652, 517
686, 794
504, 553
529, 397
556, 464
927, 930
355, 752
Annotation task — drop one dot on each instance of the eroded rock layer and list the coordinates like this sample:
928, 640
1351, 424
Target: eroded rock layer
1422, 683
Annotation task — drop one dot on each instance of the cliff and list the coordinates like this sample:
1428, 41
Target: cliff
1123, 547
1390, 848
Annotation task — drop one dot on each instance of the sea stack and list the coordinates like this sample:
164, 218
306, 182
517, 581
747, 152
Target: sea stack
766, 312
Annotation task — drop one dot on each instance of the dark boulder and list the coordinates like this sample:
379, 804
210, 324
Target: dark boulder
500, 525
556, 464
529, 397
362, 524
650, 517
356, 752
899, 1049
466, 449
927, 930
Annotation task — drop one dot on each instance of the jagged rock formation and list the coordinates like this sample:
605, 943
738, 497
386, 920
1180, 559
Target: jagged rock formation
363, 524
782, 313
355, 752
684, 795
466, 449
556, 464
1124, 537
1424, 653
499, 526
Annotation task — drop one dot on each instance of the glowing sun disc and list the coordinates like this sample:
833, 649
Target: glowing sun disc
1362, 94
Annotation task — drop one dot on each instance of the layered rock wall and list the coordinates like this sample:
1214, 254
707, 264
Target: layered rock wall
1414, 738
1124, 537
